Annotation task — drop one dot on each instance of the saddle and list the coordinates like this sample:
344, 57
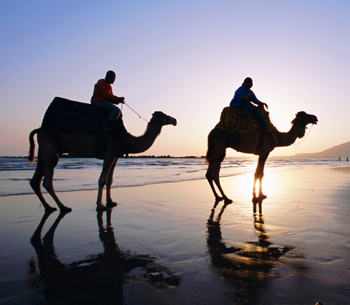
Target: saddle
239, 120
67, 115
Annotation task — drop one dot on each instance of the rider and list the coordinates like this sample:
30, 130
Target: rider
245, 99
103, 97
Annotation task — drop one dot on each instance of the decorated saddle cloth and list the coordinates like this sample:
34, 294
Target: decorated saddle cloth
239, 120
67, 115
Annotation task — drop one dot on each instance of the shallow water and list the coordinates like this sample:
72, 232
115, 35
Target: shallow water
294, 250
82, 174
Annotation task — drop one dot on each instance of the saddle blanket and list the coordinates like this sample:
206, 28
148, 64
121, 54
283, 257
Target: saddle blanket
67, 115
239, 120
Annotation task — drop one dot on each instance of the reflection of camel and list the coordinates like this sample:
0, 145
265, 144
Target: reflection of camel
72, 127
97, 279
260, 144
247, 266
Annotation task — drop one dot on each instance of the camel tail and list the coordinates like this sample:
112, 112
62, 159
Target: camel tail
209, 154
31, 156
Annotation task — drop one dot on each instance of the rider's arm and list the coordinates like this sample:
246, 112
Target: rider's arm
108, 95
256, 101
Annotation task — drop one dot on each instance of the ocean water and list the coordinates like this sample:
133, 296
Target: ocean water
307, 215
82, 174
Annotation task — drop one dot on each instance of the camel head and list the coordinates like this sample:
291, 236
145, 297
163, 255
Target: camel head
159, 118
304, 118
301, 120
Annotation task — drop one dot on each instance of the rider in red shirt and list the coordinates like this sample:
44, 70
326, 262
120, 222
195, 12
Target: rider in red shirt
103, 97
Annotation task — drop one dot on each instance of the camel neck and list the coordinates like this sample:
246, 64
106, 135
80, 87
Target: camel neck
288, 138
142, 143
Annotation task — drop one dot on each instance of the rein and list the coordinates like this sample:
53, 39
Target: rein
140, 117
305, 136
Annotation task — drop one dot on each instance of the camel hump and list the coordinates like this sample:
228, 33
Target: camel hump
239, 120
68, 115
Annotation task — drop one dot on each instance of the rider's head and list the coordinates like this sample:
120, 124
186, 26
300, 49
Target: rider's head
110, 77
248, 82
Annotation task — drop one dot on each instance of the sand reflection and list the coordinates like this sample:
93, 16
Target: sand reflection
248, 267
96, 279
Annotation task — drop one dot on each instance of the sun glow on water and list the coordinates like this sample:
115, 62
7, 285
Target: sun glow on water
245, 185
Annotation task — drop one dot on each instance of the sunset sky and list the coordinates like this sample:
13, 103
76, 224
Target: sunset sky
185, 58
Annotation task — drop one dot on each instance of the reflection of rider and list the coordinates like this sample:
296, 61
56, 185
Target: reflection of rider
245, 99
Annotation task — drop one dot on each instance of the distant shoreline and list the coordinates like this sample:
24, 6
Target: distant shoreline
298, 156
130, 156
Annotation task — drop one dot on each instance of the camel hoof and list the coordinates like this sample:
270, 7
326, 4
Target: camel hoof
49, 210
65, 210
255, 199
228, 201
111, 204
258, 199
101, 207
218, 199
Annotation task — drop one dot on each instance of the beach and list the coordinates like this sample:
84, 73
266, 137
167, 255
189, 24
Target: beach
165, 243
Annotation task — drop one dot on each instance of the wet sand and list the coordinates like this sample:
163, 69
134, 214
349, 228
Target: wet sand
165, 244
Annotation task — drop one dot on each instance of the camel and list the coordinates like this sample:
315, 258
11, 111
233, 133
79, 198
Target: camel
75, 129
260, 144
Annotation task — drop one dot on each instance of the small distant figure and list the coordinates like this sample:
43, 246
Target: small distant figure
103, 97
339, 159
347, 159
245, 99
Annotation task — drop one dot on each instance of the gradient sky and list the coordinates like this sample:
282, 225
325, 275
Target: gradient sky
185, 58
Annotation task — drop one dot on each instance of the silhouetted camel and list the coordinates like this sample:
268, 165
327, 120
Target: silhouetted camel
76, 128
260, 144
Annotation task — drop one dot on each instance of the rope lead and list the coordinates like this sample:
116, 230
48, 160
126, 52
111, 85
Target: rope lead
140, 117
304, 138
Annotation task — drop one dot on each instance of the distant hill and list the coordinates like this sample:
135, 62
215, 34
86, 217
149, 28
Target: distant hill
342, 150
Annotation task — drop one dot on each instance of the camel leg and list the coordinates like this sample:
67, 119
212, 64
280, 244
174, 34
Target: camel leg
49, 165
35, 184
259, 174
110, 202
215, 155
213, 175
209, 176
216, 177
107, 165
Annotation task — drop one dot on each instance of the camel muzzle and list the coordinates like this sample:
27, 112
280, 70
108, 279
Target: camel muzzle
173, 121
